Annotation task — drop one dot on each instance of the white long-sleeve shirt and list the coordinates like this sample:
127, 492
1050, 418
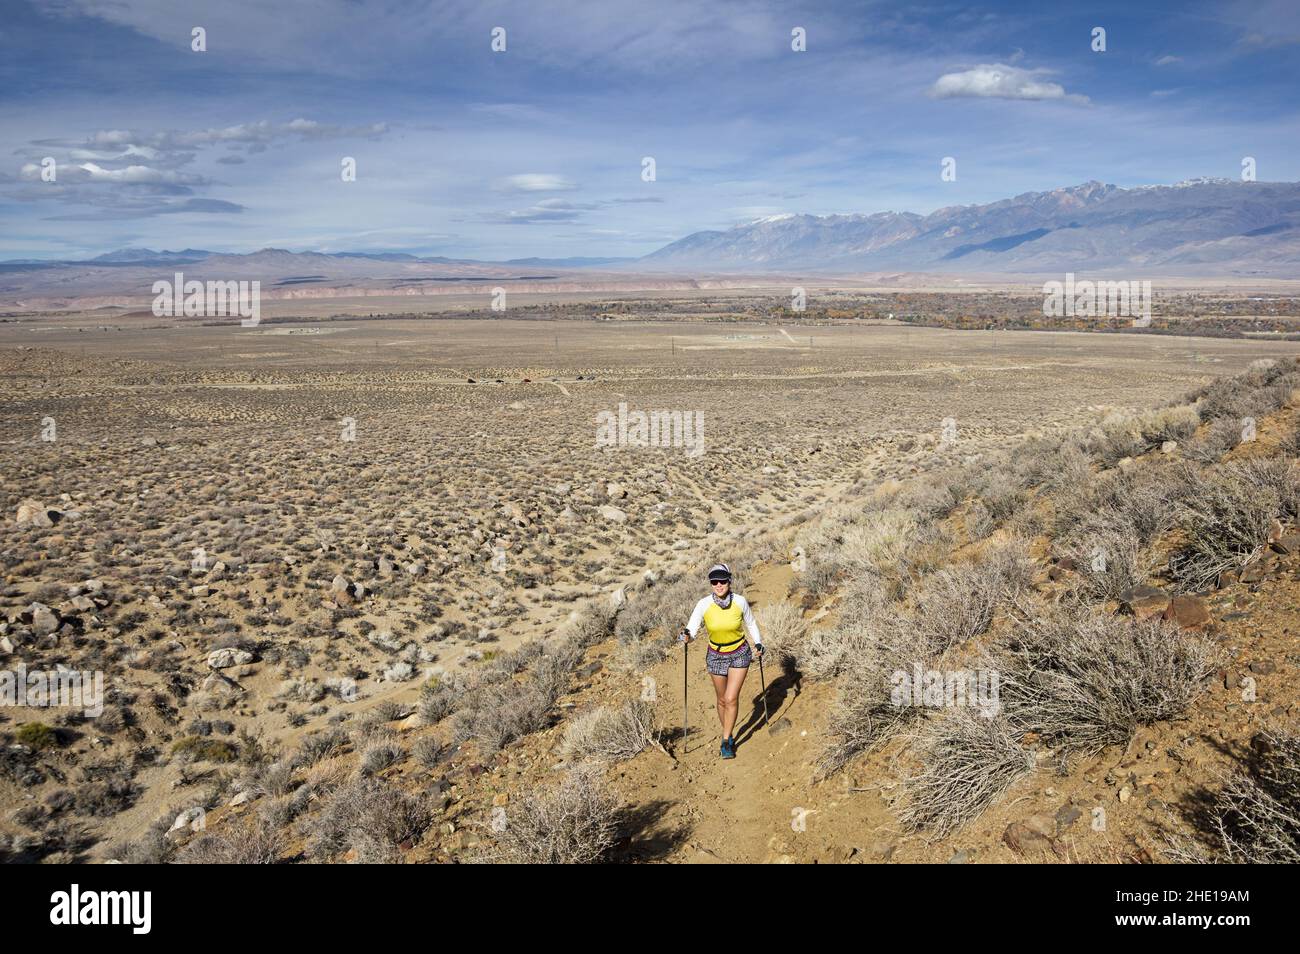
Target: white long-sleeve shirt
746, 614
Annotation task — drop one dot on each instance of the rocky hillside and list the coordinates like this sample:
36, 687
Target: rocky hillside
1100, 627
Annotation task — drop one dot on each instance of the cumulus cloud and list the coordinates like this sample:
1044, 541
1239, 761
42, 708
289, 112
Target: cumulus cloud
1000, 81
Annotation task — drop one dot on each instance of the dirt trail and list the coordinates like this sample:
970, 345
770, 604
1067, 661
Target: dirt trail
761, 806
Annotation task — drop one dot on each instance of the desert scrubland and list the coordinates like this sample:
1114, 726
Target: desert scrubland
322, 566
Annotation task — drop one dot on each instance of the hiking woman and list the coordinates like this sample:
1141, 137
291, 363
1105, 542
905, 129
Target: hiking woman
727, 617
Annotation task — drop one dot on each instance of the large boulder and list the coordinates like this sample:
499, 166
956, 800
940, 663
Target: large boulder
229, 656
33, 513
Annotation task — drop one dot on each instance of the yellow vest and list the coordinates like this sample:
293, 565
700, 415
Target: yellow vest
724, 626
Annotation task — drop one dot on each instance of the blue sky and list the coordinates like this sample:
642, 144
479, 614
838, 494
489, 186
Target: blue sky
466, 152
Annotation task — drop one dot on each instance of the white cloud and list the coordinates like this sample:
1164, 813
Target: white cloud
1000, 81
1168, 60
537, 182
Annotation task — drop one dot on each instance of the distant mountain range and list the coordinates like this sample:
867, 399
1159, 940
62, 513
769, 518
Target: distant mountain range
1200, 228
1197, 227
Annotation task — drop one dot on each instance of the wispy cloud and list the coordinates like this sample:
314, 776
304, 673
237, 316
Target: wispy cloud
536, 182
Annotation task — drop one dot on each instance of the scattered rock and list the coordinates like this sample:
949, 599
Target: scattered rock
42, 619
1066, 816
1189, 612
1288, 544
612, 514
1145, 601
1021, 839
191, 818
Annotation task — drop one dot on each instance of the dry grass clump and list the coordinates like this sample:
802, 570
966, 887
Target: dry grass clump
611, 734
1226, 518
1083, 680
575, 822
968, 761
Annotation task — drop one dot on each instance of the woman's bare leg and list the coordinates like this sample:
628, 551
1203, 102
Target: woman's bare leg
720, 687
729, 706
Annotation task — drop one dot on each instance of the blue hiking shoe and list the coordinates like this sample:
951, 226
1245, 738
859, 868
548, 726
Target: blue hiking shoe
728, 748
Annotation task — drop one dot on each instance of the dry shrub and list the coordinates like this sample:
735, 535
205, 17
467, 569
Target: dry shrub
864, 714
439, 697
1084, 680
611, 734
1108, 558
782, 628
866, 618
1118, 436
1226, 517
1220, 437
1176, 423
661, 606
380, 756
371, 817
958, 603
496, 717
321, 746
875, 542
968, 762
253, 842
575, 822
1256, 817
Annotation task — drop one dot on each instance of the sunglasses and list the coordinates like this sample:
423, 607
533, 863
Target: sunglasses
720, 582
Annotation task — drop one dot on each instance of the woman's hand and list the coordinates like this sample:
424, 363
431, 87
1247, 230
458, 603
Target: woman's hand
684, 636
758, 650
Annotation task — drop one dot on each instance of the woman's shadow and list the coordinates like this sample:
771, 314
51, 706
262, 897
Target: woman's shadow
789, 680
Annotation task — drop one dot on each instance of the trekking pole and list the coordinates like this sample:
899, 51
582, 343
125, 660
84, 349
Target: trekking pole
686, 672
767, 719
